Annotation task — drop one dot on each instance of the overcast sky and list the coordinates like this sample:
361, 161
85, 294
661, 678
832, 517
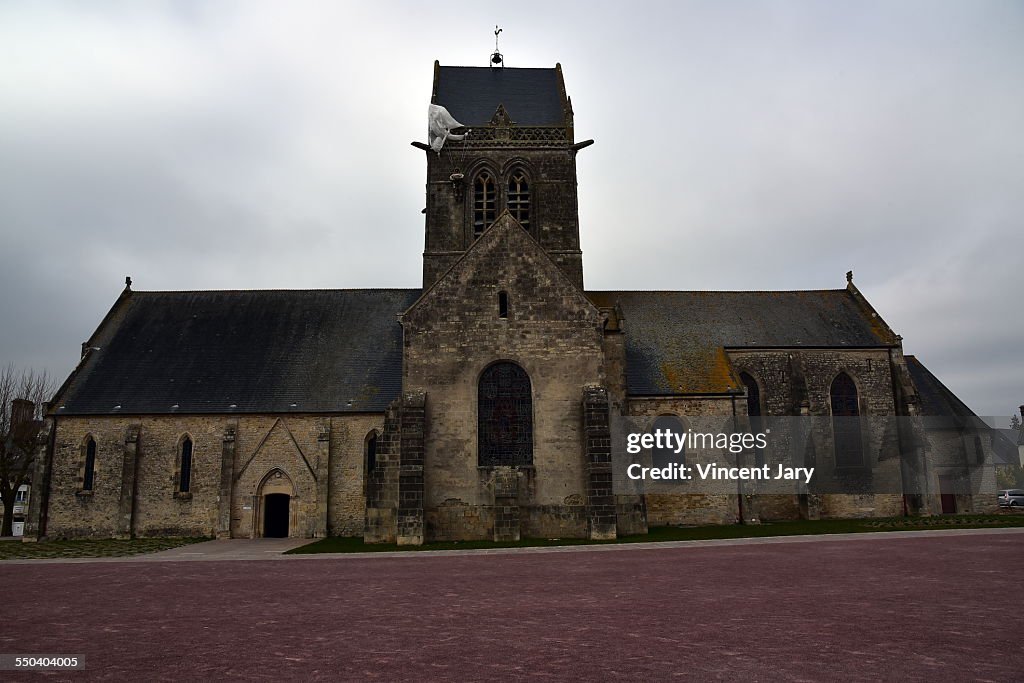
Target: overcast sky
740, 145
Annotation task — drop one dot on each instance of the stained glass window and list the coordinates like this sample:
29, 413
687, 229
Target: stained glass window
505, 407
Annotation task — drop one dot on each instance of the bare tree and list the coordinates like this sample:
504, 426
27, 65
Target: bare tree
22, 396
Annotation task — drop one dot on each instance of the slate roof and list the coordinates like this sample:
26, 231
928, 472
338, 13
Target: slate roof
936, 401
1004, 446
299, 351
260, 351
532, 97
676, 341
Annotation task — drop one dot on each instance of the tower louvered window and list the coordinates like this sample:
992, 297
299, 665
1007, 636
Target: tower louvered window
485, 202
519, 198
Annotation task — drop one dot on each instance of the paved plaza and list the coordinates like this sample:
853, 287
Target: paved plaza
932, 606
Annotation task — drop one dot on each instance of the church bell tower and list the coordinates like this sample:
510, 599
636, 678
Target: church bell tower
516, 153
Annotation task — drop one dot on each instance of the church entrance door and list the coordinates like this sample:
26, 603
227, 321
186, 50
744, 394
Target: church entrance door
275, 515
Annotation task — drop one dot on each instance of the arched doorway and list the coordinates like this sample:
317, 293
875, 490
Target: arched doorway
275, 497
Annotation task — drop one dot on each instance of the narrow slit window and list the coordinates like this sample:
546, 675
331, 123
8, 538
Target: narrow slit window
502, 304
485, 203
519, 198
370, 446
185, 476
754, 411
89, 473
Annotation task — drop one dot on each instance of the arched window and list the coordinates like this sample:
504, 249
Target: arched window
370, 448
519, 198
753, 411
505, 416
89, 467
185, 466
845, 425
485, 202
753, 395
670, 429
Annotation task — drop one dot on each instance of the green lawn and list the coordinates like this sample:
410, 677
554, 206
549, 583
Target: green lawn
660, 534
17, 550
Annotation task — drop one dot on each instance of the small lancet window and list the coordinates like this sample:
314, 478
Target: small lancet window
502, 304
519, 198
185, 471
371, 452
89, 473
754, 411
485, 202
370, 447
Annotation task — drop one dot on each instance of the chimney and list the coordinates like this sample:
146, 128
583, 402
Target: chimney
22, 412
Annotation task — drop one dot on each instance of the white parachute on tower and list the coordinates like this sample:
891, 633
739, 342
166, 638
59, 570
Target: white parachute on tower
440, 125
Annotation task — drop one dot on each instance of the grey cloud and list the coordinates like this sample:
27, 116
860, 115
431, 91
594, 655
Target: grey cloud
762, 145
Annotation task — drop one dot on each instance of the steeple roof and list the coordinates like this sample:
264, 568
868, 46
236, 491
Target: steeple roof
532, 97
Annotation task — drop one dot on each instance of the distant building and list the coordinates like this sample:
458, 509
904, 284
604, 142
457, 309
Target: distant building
21, 499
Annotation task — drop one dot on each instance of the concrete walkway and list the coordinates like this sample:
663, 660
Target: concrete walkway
224, 549
274, 548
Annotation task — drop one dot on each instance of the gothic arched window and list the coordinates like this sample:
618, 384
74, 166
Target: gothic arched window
519, 198
845, 425
485, 202
753, 411
753, 395
185, 466
505, 416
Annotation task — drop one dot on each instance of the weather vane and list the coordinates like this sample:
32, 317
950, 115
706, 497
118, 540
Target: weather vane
496, 58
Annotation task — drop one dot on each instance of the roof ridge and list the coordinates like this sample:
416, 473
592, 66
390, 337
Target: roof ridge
504, 68
274, 289
718, 291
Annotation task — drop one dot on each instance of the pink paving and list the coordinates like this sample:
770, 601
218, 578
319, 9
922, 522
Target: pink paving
936, 608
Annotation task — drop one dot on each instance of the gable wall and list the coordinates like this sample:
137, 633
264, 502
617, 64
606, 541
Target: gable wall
455, 332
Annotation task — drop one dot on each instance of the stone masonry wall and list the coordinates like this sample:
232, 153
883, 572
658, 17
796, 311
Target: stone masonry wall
553, 203
455, 332
263, 445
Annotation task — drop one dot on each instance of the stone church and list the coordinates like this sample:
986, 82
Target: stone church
476, 406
